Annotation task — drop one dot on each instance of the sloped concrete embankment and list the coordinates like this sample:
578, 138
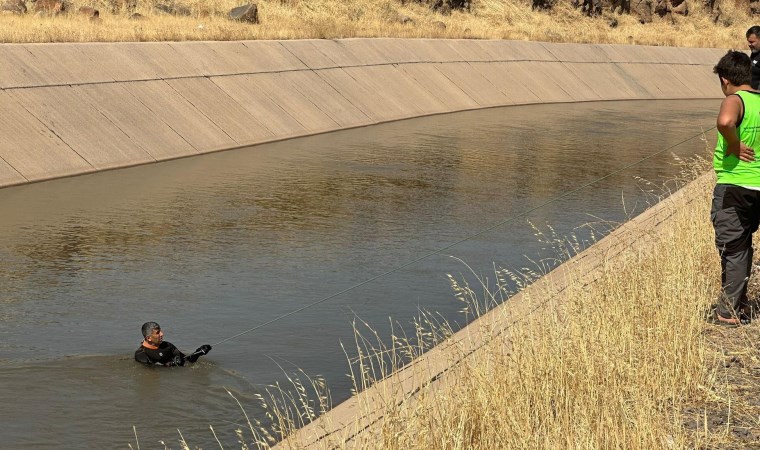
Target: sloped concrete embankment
68, 109
357, 422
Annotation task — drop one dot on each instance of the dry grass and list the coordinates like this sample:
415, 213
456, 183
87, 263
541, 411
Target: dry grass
625, 362
609, 365
329, 19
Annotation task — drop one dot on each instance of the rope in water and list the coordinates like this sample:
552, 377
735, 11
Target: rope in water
467, 238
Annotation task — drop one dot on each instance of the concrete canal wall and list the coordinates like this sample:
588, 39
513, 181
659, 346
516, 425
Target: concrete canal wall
68, 109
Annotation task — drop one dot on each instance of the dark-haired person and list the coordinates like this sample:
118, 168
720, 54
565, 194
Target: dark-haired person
155, 351
753, 41
735, 211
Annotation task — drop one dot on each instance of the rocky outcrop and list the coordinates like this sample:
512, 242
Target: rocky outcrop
446, 6
589, 7
246, 13
128, 6
50, 7
13, 7
754, 7
173, 9
664, 7
620, 6
88, 11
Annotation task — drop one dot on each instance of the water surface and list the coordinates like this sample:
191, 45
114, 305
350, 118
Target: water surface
215, 245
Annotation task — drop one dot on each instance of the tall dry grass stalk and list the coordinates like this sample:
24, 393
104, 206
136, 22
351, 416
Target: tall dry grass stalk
330, 19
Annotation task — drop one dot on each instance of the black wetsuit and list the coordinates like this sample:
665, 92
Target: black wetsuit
165, 355
755, 58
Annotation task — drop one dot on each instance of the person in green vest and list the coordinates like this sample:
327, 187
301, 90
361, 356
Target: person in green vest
735, 211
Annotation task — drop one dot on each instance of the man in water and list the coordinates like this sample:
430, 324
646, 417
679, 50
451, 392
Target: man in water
155, 351
753, 41
735, 211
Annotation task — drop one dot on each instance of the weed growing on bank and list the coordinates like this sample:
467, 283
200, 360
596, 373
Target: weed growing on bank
208, 20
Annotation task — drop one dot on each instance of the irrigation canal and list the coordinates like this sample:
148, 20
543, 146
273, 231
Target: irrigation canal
215, 245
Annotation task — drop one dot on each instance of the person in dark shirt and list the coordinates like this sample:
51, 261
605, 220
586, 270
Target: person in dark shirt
753, 41
155, 351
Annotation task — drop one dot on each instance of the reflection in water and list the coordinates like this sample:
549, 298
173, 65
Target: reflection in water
214, 245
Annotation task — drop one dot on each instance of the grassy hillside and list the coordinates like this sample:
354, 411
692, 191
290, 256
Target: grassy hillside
722, 26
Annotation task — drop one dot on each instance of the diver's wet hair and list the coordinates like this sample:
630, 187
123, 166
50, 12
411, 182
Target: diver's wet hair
735, 67
148, 327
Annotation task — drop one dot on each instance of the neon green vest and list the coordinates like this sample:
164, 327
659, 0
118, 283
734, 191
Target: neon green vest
730, 169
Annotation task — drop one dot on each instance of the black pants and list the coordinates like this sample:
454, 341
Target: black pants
735, 216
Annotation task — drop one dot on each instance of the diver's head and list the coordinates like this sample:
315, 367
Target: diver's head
152, 333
